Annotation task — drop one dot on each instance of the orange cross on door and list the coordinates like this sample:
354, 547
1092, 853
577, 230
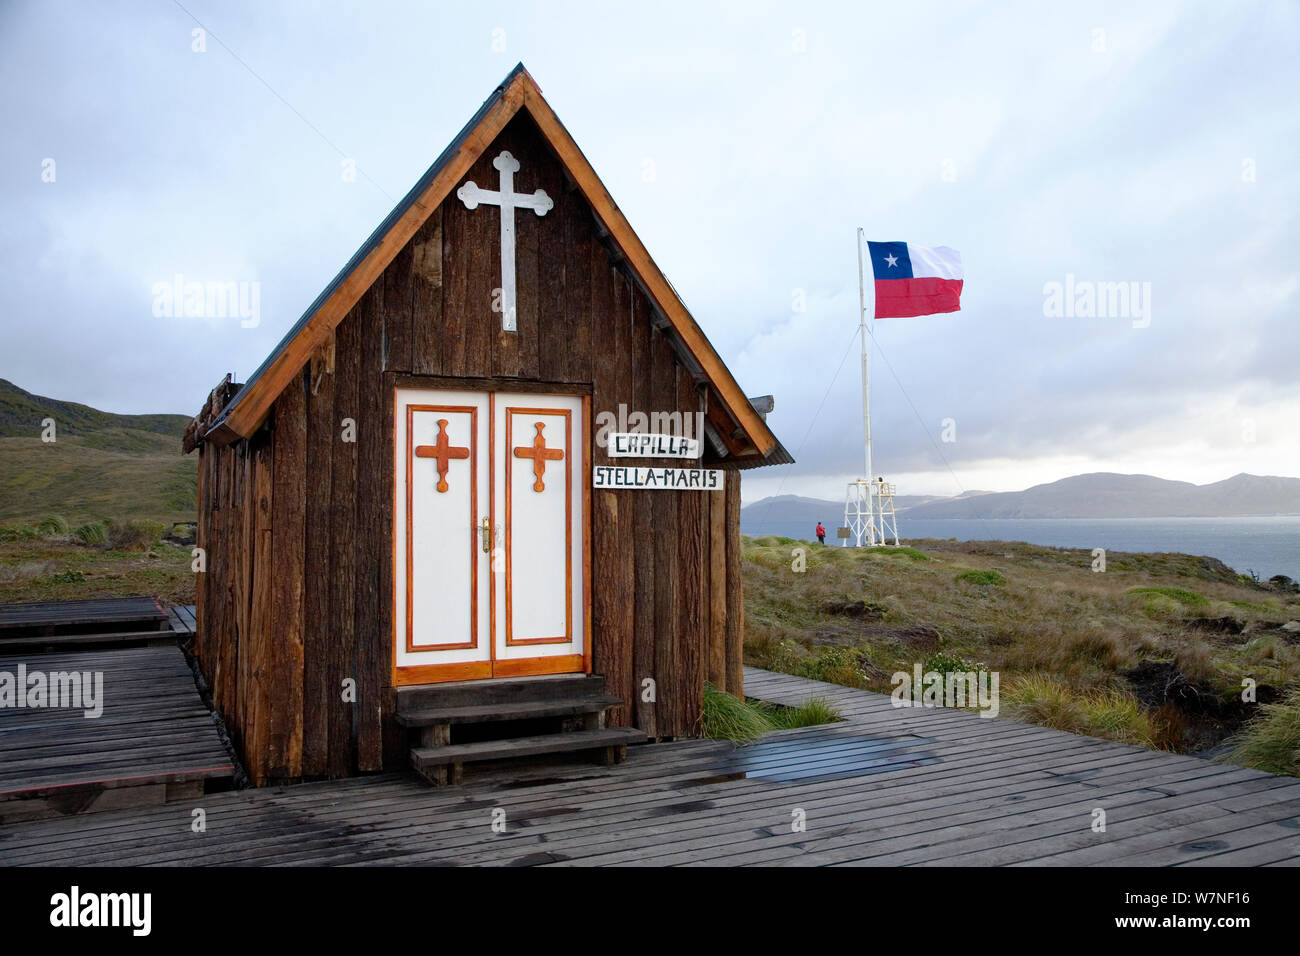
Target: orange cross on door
443, 451
540, 455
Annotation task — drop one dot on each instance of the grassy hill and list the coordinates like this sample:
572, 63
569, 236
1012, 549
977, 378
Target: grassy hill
1151, 651
100, 465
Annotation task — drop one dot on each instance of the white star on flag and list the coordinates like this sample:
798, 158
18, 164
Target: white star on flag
929, 284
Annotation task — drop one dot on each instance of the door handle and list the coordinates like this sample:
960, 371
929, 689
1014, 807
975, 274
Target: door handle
487, 535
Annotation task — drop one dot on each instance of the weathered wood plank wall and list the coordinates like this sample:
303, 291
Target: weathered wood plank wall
297, 522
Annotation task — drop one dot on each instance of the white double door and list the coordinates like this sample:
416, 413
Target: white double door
489, 535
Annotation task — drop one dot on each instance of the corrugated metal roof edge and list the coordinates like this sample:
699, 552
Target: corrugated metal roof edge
777, 456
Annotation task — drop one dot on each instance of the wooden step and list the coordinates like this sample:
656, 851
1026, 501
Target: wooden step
93, 615
572, 742
506, 690
38, 644
526, 710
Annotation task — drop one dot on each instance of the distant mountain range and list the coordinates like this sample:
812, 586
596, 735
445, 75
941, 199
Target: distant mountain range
829, 513
111, 465
99, 465
1098, 495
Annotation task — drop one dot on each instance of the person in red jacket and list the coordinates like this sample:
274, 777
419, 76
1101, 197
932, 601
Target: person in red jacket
821, 533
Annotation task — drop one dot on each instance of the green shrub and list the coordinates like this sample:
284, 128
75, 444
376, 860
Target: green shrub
1253, 606
1161, 608
91, 533
836, 665
773, 653
51, 525
1181, 595
989, 577
943, 663
67, 577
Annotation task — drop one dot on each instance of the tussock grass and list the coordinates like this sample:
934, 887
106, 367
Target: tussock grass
725, 717
134, 535
1271, 741
1050, 702
92, 532
728, 718
51, 525
811, 713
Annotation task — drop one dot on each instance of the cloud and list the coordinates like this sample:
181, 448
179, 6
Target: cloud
773, 131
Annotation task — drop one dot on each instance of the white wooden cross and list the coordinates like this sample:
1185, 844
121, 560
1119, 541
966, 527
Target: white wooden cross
508, 200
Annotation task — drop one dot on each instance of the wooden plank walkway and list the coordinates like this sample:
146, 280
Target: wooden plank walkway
887, 786
183, 619
81, 617
153, 740
62, 626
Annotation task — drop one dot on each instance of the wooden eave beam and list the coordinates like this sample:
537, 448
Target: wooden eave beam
725, 427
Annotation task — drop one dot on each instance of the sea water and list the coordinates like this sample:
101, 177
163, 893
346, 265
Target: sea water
1263, 545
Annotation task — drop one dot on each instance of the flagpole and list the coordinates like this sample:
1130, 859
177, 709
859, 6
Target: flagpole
862, 329
870, 529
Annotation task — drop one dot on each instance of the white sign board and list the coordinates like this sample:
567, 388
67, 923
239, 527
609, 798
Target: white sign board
637, 445
612, 477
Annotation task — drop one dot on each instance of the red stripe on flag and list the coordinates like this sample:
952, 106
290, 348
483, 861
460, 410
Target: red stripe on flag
899, 298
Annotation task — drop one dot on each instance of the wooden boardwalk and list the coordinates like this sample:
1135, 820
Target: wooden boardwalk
887, 787
89, 615
153, 740
182, 619
93, 623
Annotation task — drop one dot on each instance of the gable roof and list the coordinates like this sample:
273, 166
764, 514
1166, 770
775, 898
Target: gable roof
249, 407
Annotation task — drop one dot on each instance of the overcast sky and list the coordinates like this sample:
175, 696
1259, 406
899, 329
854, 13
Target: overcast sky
1153, 143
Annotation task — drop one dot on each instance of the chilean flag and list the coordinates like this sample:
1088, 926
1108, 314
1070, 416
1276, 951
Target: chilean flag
915, 280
